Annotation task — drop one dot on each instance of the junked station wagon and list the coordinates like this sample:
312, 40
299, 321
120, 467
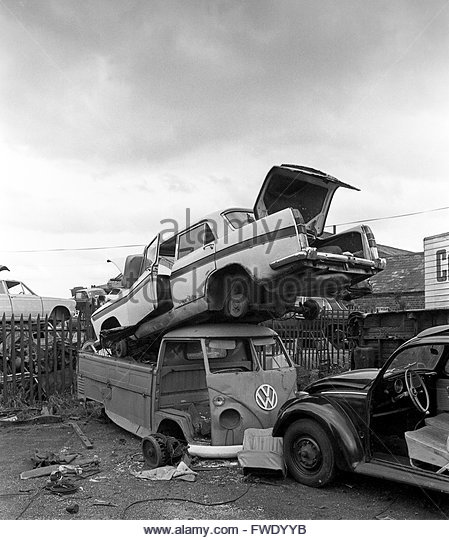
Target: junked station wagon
243, 264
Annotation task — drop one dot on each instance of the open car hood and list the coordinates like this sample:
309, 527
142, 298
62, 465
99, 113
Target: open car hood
293, 186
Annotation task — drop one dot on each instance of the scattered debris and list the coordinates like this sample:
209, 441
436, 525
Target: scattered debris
87, 443
168, 472
73, 508
43, 459
61, 487
45, 471
99, 502
40, 419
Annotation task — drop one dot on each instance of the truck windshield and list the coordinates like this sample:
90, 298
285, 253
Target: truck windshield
226, 355
271, 354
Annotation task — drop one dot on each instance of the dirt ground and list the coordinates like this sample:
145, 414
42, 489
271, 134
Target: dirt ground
351, 497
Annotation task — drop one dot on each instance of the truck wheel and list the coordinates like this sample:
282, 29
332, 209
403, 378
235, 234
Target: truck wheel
309, 453
154, 451
236, 296
120, 348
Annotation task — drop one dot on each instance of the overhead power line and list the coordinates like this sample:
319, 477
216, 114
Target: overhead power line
57, 250
390, 217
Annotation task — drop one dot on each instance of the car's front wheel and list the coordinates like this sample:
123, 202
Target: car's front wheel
309, 453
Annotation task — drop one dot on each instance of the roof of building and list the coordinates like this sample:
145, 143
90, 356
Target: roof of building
404, 273
389, 251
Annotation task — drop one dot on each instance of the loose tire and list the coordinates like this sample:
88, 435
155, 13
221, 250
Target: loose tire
309, 453
154, 451
236, 297
311, 309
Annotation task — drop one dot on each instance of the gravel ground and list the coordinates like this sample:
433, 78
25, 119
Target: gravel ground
351, 497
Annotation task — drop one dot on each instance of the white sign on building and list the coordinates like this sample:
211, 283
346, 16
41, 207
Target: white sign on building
436, 271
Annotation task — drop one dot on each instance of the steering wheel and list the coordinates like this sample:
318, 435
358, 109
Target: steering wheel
414, 383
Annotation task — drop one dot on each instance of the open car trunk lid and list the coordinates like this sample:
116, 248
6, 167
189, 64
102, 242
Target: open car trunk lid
293, 186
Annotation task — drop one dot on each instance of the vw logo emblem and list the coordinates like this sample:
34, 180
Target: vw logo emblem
266, 397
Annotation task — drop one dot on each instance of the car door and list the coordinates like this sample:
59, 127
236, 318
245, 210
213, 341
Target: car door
195, 260
5, 301
24, 301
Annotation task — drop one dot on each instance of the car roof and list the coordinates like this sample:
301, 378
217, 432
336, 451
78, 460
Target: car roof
224, 330
435, 331
217, 217
428, 336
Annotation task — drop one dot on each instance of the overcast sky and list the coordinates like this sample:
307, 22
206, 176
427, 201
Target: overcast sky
116, 114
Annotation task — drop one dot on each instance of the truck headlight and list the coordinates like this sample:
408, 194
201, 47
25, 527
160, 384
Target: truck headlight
219, 401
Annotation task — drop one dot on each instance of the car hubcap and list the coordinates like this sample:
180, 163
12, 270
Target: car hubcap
308, 455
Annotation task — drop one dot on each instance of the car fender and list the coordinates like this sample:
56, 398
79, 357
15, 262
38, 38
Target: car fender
341, 430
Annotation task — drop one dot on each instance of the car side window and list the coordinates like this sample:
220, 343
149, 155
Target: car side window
16, 287
2, 288
194, 238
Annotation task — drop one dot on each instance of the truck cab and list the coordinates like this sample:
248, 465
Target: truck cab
204, 384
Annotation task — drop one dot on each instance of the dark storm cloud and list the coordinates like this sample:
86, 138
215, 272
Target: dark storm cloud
128, 81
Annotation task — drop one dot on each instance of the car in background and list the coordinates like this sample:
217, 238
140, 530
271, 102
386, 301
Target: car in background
243, 264
92, 296
390, 423
17, 300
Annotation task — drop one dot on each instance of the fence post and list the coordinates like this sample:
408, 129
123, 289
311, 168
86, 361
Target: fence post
55, 358
70, 340
38, 358
13, 357
46, 361
22, 353
5, 361
31, 359
63, 355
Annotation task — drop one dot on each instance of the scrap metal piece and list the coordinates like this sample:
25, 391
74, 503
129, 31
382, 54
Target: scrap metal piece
85, 440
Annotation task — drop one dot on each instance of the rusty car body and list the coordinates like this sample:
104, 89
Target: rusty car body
243, 264
203, 384
390, 423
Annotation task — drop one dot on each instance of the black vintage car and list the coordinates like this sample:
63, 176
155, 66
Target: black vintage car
391, 423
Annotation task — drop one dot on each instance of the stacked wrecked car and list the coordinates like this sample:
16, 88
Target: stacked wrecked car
243, 264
